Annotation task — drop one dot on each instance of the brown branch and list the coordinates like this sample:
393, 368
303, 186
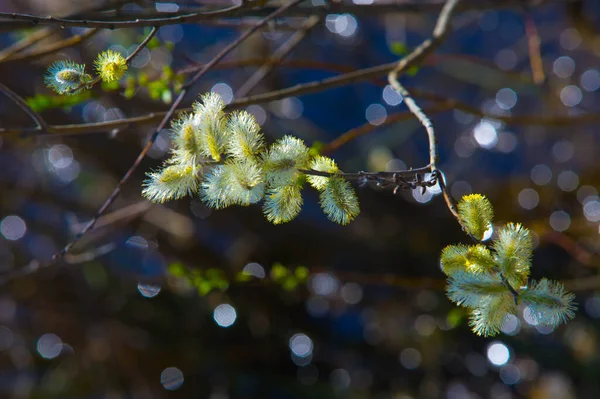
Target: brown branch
54, 47
26, 42
16, 20
439, 33
155, 117
17, 99
25, 20
533, 45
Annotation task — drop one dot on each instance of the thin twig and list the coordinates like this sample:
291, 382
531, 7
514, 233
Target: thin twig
15, 20
164, 121
26, 42
277, 57
446, 103
533, 45
17, 99
439, 33
36, 20
54, 47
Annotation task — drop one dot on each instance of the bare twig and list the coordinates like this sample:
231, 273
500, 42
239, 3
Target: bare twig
36, 20
533, 45
16, 20
26, 42
441, 29
52, 48
17, 99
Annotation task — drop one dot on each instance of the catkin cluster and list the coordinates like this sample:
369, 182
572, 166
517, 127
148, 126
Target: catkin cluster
491, 281
68, 77
224, 159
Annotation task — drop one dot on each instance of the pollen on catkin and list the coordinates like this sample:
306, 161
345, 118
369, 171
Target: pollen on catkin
66, 77
111, 66
211, 121
186, 138
338, 201
283, 203
171, 182
283, 159
321, 164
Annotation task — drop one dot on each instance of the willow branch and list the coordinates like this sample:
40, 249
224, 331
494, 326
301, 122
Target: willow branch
439, 33
54, 47
163, 123
16, 20
26, 42
533, 45
24, 20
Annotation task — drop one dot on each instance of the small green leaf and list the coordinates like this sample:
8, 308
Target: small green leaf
301, 273
412, 71
177, 269
153, 43
278, 271
204, 287
289, 283
398, 48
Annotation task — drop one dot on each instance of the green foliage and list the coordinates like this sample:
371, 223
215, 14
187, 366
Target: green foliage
205, 281
476, 214
490, 282
224, 159
42, 102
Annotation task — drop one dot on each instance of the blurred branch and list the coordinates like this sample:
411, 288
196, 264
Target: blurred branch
16, 20
26, 42
533, 45
17, 99
448, 103
52, 48
26, 20
277, 57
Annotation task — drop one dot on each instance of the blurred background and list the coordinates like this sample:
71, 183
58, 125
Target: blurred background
181, 301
